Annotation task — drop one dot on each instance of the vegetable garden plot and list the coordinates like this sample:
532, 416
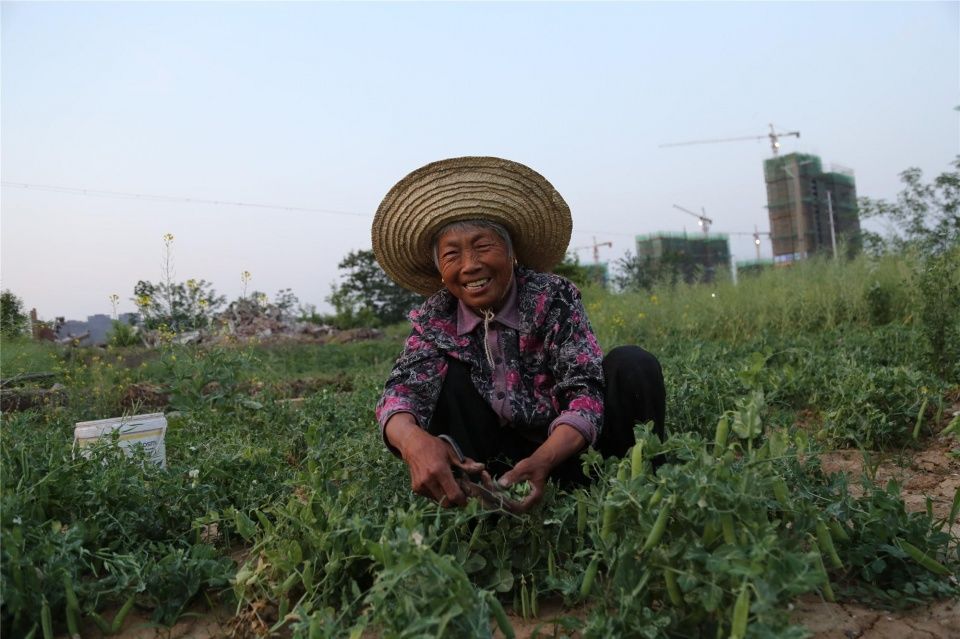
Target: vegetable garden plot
722, 539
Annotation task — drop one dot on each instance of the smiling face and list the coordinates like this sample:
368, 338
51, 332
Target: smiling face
476, 265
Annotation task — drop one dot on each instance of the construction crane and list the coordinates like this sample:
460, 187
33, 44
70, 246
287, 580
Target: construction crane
756, 237
596, 249
773, 136
703, 220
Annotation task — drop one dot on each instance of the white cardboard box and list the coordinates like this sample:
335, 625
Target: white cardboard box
143, 430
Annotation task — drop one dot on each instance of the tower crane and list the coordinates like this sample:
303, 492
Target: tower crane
703, 220
596, 249
773, 136
755, 235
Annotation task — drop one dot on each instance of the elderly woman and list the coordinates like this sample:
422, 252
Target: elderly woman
501, 372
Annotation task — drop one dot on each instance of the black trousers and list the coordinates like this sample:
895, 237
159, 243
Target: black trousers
633, 394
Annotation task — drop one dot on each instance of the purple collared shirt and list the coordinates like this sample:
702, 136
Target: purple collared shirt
546, 362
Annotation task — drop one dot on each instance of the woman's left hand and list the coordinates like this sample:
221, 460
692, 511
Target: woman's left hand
562, 443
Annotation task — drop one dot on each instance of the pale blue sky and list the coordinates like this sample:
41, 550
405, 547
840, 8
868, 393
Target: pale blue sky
326, 105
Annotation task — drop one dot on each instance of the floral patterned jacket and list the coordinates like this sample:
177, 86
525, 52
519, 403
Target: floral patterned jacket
549, 373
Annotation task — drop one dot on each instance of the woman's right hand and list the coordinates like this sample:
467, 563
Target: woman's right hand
430, 460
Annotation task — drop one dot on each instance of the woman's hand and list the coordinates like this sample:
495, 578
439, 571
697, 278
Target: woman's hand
564, 442
429, 460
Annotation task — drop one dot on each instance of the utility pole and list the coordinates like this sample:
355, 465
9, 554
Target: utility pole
833, 233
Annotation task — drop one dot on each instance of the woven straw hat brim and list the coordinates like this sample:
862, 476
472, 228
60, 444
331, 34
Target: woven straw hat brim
467, 188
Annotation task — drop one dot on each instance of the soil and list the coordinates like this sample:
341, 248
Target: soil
928, 472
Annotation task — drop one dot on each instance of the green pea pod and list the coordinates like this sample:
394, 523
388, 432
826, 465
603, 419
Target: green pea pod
636, 460
589, 577
655, 498
71, 595
923, 409
475, 535
827, 588
102, 623
741, 613
551, 566
73, 625
46, 619
445, 541
826, 544
606, 526
659, 527
954, 509
121, 615
710, 532
838, 531
501, 616
534, 599
290, 581
924, 559
781, 493
316, 626
581, 516
726, 526
673, 589
306, 575
524, 598
720, 439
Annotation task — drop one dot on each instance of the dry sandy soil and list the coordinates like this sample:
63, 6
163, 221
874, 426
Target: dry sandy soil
929, 472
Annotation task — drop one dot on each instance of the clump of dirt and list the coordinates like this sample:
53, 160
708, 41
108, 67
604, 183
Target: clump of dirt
826, 620
932, 471
144, 395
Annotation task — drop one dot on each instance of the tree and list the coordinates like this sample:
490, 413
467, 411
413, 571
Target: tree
13, 321
924, 222
571, 269
180, 306
924, 217
636, 273
367, 296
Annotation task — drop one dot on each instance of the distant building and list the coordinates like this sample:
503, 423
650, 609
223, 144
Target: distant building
94, 331
800, 196
694, 257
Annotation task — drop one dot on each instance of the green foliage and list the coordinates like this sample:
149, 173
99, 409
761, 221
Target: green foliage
939, 286
123, 334
637, 273
571, 269
178, 306
366, 296
925, 218
13, 321
197, 377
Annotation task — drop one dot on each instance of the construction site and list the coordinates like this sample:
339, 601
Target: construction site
810, 211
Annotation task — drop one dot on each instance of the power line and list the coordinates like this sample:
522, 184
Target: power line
146, 197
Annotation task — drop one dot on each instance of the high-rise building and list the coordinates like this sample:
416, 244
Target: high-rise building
811, 211
695, 257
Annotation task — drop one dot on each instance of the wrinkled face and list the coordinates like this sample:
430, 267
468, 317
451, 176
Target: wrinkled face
476, 266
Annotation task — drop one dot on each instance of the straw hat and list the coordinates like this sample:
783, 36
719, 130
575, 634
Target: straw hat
468, 188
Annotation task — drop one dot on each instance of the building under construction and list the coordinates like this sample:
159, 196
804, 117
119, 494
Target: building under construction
690, 257
810, 211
